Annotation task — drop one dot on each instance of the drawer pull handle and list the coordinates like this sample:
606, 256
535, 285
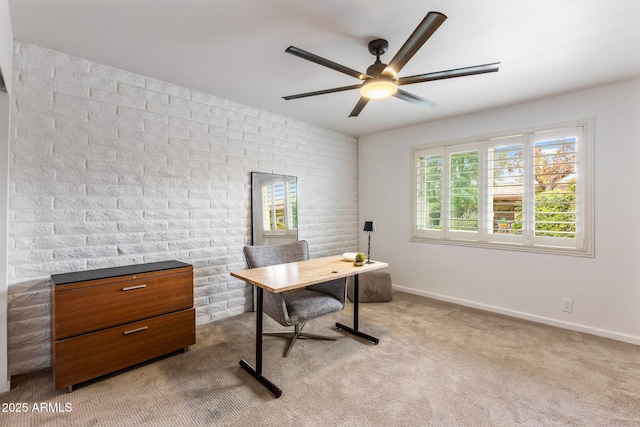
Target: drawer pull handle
130, 288
133, 331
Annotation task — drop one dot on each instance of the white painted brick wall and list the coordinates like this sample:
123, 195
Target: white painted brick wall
111, 168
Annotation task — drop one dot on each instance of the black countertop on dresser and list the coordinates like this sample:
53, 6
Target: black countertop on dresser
105, 273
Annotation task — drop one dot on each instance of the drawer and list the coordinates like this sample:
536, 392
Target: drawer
90, 308
95, 354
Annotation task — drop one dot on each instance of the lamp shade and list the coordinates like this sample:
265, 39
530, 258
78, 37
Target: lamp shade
379, 87
369, 226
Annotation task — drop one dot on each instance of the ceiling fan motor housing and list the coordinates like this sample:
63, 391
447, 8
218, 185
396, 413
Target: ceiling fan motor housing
376, 69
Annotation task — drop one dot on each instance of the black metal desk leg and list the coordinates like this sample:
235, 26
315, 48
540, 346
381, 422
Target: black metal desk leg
257, 371
354, 330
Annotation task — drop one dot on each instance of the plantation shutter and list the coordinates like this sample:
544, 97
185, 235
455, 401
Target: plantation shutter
463, 191
531, 191
506, 210
558, 188
428, 190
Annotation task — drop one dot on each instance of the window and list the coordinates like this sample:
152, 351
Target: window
279, 206
530, 190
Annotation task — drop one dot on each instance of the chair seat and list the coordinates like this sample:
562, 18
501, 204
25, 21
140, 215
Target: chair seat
305, 304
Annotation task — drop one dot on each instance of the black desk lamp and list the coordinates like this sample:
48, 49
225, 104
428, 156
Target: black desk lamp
369, 226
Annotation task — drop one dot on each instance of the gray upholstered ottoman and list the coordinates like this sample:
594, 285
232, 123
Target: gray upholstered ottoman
374, 286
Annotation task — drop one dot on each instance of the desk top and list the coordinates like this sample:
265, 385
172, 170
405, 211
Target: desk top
286, 277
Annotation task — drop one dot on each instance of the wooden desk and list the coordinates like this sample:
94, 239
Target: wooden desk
287, 277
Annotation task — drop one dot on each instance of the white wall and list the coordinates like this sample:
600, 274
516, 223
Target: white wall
110, 168
5, 109
605, 289
6, 45
6, 61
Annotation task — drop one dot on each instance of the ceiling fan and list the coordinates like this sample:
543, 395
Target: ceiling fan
381, 80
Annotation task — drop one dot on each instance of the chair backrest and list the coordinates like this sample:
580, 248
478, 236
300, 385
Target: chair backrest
264, 256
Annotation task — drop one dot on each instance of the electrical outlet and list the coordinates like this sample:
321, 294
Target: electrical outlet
567, 305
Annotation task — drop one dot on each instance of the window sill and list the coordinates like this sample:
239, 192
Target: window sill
552, 250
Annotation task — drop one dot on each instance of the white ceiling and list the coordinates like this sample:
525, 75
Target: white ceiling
234, 49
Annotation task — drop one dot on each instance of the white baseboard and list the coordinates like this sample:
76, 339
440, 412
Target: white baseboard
631, 339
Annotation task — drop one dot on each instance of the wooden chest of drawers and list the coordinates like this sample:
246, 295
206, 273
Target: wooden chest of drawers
108, 319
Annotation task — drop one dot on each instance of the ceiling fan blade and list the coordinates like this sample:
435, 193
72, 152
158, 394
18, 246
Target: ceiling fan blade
325, 62
425, 29
448, 74
414, 99
359, 106
321, 92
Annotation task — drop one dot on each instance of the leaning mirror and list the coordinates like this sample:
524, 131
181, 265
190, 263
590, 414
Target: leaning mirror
274, 209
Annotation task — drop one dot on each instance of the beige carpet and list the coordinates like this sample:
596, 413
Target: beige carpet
437, 364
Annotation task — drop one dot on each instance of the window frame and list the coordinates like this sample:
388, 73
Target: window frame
582, 245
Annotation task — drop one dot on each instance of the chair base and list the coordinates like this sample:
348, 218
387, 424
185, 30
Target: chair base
297, 333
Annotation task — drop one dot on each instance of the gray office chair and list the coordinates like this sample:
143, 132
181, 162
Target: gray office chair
296, 307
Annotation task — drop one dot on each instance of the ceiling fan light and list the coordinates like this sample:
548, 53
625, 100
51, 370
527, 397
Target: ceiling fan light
379, 87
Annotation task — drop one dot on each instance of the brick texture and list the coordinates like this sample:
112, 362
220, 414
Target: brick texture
110, 168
